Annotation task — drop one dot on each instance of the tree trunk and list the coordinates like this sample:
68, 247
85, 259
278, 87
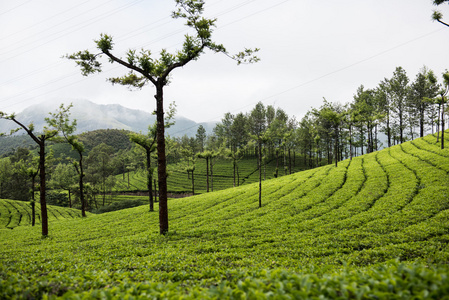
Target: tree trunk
44, 217
211, 174
277, 163
193, 184
388, 129
438, 123
207, 174
289, 161
238, 176
234, 166
149, 180
81, 186
33, 203
155, 190
350, 142
161, 159
442, 122
421, 121
336, 147
260, 174
70, 198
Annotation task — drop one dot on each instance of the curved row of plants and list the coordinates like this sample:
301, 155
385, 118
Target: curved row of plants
373, 227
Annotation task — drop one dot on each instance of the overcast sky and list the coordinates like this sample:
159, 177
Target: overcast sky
309, 50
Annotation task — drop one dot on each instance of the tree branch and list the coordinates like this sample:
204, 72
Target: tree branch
130, 66
182, 62
443, 22
30, 133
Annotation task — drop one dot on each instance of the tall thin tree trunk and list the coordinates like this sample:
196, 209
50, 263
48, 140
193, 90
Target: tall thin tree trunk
161, 159
207, 174
44, 217
211, 175
438, 123
193, 184
149, 179
81, 186
260, 174
442, 122
234, 165
350, 142
388, 129
33, 203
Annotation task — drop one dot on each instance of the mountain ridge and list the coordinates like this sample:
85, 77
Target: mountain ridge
91, 116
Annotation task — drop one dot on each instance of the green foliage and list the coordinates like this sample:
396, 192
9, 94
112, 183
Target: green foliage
118, 139
375, 227
118, 205
14, 213
179, 181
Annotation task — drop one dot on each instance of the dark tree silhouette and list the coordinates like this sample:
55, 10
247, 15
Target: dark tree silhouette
144, 69
40, 140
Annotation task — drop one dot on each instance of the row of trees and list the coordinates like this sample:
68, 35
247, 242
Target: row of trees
397, 110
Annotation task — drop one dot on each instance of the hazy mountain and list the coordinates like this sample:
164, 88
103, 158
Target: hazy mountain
91, 116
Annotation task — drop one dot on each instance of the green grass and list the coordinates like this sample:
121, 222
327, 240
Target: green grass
15, 213
179, 182
376, 227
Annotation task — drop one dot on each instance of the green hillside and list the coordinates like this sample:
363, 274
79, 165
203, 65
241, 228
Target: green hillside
376, 227
178, 180
18, 213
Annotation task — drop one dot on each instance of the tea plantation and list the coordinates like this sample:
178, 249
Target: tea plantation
19, 213
376, 227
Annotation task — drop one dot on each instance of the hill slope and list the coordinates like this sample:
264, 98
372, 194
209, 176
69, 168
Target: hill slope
91, 116
373, 227
15, 213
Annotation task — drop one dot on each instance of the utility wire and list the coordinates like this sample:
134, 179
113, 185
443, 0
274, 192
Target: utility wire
15, 7
146, 44
96, 19
46, 20
322, 76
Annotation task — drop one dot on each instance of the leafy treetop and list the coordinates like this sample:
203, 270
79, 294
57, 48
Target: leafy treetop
144, 68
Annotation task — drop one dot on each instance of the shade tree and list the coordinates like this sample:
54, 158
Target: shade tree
40, 139
61, 121
148, 143
145, 69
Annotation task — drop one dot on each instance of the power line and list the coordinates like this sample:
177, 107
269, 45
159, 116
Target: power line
146, 44
323, 76
64, 33
15, 7
46, 20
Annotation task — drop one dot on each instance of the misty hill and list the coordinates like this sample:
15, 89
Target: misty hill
91, 116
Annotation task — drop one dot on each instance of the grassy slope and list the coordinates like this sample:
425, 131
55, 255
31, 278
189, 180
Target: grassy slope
18, 213
376, 226
179, 182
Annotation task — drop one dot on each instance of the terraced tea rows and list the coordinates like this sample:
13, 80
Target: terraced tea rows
373, 227
18, 213
178, 180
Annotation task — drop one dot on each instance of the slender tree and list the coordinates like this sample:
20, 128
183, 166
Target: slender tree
441, 101
148, 143
100, 168
39, 139
258, 126
60, 120
422, 88
64, 177
144, 69
399, 92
